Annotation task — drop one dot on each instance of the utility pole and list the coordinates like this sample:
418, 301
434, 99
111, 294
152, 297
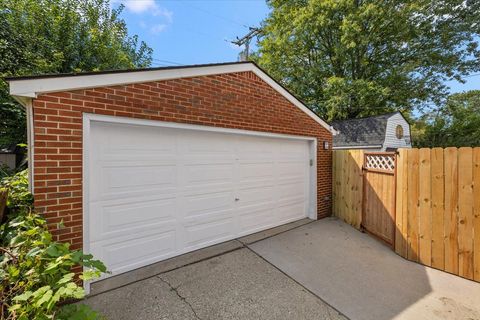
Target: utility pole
245, 40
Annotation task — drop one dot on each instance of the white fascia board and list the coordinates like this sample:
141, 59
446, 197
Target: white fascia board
31, 88
358, 147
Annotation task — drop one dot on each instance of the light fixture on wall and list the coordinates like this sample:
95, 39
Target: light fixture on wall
325, 145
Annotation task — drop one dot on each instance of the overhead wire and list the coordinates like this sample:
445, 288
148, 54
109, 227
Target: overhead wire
219, 16
169, 62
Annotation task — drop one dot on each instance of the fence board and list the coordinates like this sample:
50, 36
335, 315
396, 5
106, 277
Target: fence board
355, 188
336, 181
476, 213
348, 185
437, 205
465, 213
451, 205
425, 217
401, 204
412, 198
438, 184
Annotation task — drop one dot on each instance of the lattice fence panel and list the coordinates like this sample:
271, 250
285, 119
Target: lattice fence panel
381, 161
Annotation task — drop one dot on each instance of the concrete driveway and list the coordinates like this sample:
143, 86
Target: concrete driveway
227, 281
304, 270
366, 280
235, 285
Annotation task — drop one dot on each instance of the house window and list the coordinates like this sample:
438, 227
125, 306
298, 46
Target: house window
399, 132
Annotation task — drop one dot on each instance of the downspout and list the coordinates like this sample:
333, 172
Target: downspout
27, 103
30, 143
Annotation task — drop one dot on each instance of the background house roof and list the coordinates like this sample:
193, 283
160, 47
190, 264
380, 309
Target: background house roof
361, 132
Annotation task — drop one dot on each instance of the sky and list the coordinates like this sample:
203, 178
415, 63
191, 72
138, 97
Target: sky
192, 32
183, 32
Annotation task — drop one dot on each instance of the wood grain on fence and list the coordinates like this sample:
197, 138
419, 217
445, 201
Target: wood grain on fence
401, 217
348, 186
443, 223
437, 205
425, 208
476, 214
413, 205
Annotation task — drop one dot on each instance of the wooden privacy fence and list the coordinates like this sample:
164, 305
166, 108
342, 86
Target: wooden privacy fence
348, 186
378, 199
437, 211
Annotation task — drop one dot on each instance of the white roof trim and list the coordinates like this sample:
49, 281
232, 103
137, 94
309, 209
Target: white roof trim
358, 147
31, 88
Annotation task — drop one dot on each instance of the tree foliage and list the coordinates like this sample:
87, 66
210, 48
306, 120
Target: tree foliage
455, 124
60, 36
350, 58
36, 271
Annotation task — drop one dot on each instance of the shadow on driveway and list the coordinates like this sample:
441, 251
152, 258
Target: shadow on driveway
364, 279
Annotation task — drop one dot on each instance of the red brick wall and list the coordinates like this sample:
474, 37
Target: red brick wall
240, 100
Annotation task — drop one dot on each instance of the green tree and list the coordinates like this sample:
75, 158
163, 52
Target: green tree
60, 36
351, 58
455, 124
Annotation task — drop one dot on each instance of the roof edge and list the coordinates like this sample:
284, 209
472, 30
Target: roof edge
27, 87
362, 146
89, 73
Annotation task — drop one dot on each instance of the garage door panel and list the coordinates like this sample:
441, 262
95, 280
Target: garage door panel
291, 209
291, 201
291, 188
256, 171
116, 219
209, 173
256, 195
114, 142
133, 154
133, 253
198, 189
213, 229
256, 218
248, 145
139, 177
135, 194
186, 190
291, 170
292, 148
207, 145
130, 181
205, 203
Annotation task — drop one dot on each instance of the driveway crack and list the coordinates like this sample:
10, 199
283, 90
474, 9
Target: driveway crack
184, 299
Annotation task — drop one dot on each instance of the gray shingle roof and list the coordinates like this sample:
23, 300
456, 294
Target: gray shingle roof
361, 132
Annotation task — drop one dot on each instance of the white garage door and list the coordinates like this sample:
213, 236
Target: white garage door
156, 192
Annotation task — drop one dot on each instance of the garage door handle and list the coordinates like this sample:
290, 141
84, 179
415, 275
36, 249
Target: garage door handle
236, 199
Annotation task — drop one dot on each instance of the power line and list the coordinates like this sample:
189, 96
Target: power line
219, 16
472, 75
160, 64
191, 30
168, 61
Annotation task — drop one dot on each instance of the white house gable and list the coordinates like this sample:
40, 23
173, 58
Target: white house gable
396, 137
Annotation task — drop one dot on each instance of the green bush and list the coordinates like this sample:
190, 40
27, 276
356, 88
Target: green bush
20, 200
35, 271
5, 171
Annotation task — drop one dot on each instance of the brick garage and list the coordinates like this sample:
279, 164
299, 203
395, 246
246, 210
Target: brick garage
234, 96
